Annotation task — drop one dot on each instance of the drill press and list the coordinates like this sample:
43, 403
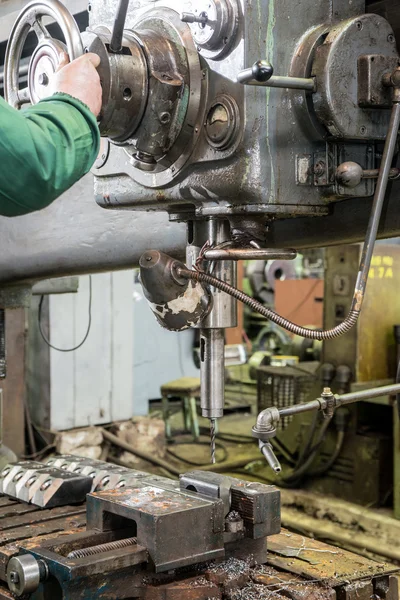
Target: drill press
191, 128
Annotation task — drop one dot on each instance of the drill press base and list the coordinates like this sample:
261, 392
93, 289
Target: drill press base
207, 536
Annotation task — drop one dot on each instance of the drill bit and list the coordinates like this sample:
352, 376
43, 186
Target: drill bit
213, 436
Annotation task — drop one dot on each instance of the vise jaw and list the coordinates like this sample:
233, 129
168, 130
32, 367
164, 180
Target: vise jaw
206, 516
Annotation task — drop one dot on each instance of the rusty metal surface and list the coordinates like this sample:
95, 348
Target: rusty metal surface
281, 584
295, 567
194, 588
159, 515
318, 561
298, 568
26, 524
43, 527
375, 328
5, 594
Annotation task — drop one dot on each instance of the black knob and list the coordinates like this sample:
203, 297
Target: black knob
262, 71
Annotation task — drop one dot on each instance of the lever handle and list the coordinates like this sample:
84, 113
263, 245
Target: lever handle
249, 254
261, 74
350, 174
202, 18
119, 26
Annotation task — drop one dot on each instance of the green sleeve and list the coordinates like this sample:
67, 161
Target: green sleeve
44, 150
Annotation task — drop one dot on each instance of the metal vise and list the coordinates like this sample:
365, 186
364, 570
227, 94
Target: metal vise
149, 523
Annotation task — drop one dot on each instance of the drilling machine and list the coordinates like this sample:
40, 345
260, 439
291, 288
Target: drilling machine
195, 122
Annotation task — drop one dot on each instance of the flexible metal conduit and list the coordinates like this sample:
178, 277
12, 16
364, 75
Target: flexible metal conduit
365, 262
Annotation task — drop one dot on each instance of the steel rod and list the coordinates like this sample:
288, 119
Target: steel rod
300, 408
249, 254
387, 390
380, 193
291, 83
119, 26
374, 173
341, 400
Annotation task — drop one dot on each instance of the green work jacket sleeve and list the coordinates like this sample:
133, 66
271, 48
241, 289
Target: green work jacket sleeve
44, 150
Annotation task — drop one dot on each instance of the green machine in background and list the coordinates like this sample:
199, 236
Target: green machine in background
356, 457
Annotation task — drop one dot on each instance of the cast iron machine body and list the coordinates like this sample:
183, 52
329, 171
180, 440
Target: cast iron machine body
196, 122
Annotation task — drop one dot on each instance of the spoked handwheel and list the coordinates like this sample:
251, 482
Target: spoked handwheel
47, 54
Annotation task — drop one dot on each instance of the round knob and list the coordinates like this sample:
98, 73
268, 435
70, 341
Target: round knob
23, 574
262, 71
349, 174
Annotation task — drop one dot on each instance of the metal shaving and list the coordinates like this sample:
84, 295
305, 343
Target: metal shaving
233, 516
233, 567
254, 591
201, 582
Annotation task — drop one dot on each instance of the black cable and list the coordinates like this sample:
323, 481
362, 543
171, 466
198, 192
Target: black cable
295, 475
158, 462
307, 450
88, 327
319, 471
230, 437
196, 464
40, 454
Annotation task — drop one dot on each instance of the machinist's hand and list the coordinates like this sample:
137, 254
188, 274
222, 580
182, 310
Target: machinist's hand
80, 80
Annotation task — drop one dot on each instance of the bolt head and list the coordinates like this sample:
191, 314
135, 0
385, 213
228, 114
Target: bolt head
165, 118
43, 79
14, 577
45, 486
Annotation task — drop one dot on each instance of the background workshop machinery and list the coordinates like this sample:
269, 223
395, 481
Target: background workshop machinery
189, 129
259, 126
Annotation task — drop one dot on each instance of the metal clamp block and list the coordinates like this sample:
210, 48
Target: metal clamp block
54, 487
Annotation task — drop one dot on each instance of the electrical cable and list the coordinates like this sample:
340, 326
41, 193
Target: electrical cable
196, 464
230, 437
305, 453
256, 306
329, 464
88, 327
158, 462
39, 454
295, 475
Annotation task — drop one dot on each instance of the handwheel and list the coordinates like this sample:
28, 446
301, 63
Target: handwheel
47, 54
